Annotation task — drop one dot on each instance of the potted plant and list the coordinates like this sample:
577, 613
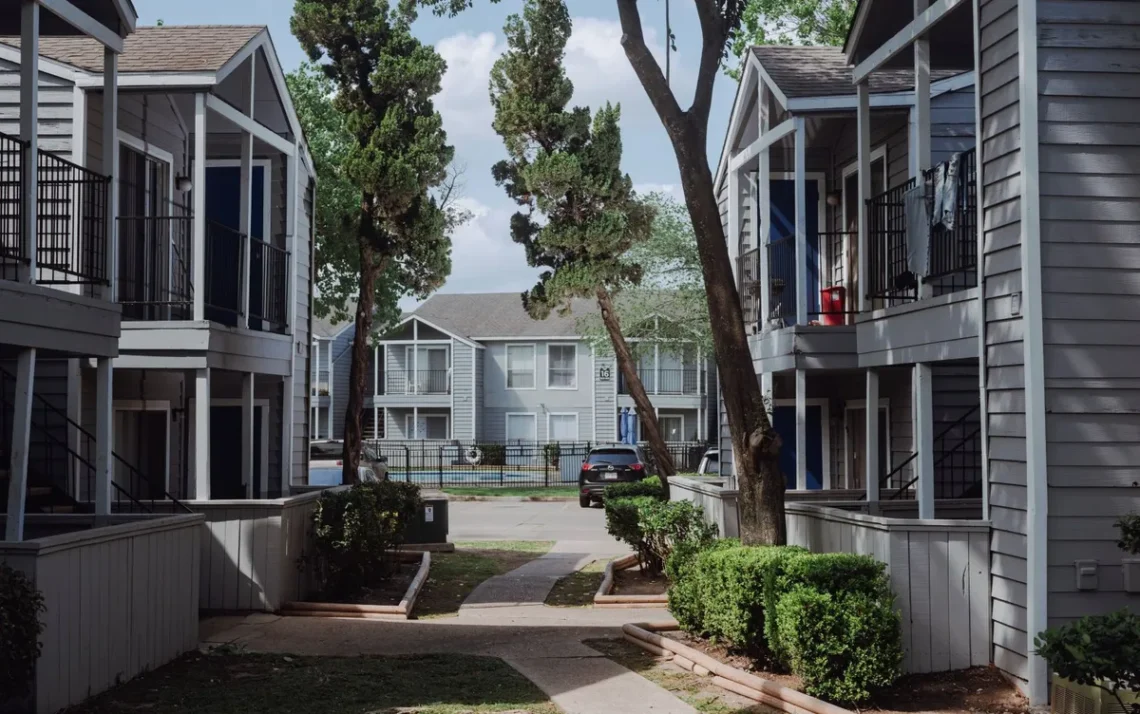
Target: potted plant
1130, 543
1094, 661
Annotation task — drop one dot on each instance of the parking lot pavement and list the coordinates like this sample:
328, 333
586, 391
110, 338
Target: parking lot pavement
574, 528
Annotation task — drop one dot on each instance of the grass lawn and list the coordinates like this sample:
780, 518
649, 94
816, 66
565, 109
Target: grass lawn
697, 691
514, 492
577, 589
276, 684
454, 575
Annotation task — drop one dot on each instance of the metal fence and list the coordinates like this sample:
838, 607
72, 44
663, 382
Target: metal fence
443, 464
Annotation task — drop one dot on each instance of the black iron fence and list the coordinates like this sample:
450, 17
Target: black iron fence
269, 285
13, 247
424, 381
456, 464
680, 382
953, 252
834, 266
748, 270
154, 280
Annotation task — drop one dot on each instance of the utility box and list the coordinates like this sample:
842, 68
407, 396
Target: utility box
430, 526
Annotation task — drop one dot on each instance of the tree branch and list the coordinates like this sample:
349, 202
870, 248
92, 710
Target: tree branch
713, 37
645, 66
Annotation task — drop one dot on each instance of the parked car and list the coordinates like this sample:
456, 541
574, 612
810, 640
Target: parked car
326, 454
607, 465
710, 464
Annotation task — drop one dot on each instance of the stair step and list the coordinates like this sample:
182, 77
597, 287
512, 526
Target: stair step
39, 490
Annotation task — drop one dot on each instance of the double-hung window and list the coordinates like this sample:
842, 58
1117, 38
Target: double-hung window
562, 367
520, 367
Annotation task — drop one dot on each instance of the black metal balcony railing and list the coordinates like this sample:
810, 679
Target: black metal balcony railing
953, 253
155, 280
665, 381
225, 266
71, 222
748, 268
835, 266
782, 280
268, 286
425, 381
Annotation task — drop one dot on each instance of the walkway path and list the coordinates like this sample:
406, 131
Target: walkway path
504, 617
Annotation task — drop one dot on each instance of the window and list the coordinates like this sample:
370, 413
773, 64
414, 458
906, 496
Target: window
520, 367
672, 426
522, 428
615, 457
562, 366
563, 427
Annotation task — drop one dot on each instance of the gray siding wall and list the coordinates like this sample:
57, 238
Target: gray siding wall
478, 394
49, 429
542, 400
340, 357
951, 124
1089, 127
303, 254
56, 109
605, 400
1000, 164
462, 391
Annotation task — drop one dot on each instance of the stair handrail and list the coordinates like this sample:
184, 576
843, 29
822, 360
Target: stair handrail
886, 479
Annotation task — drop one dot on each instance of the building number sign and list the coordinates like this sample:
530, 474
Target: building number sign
605, 374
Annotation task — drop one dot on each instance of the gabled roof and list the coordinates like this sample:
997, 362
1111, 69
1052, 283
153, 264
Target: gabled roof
489, 315
170, 48
326, 329
803, 71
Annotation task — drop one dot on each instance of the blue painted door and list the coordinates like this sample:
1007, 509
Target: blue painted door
223, 207
783, 226
784, 421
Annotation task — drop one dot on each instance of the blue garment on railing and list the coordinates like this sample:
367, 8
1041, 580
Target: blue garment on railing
917, 230
946, 193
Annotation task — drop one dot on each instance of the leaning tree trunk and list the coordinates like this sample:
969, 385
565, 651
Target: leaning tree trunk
636, 389
365, 304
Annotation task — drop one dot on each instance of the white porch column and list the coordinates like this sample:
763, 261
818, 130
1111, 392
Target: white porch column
29, 129
111, 167
801, 223
924, 439
199, 198
375, 423
247, 432
416, 361
415, 423
733, 236
656, 368
764, 210
863, 129
871, 466
921, 116
376, 371
766, 390
21, 437
202, 434
801, 429
104, 437
246, 209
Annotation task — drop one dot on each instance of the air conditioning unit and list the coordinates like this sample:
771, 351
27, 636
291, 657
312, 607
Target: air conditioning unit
1072, 698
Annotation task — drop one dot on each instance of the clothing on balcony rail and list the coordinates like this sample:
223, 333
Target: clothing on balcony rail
917, 231
946, 193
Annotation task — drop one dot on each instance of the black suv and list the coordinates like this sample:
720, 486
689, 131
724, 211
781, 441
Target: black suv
606, 465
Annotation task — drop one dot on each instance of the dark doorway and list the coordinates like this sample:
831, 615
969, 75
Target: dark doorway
225, 453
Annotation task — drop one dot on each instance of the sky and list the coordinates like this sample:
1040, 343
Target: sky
484, 259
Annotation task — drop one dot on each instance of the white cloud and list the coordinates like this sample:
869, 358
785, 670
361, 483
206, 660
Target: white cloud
464, 100
669, 189
597, 65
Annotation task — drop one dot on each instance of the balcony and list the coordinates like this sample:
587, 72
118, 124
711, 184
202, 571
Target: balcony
668, 382
953, 253
71, 204
424, 381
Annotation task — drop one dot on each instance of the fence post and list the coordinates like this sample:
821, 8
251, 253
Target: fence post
503, 461
407, 464
546, 466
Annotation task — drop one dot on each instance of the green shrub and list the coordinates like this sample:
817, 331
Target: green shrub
844, 645
732, 590
649, 486
493, 454
1098, 650
623, 518
669, 524
1129, 534
686, 596
356, 532
20, 608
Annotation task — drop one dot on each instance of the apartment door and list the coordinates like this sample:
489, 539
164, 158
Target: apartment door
142, 440
784, 421
145, 234
672, 426
857, 445
781, 270
224, 251
225, 452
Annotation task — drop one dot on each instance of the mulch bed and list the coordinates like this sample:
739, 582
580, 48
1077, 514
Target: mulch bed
978, 690
632, 581
387, 592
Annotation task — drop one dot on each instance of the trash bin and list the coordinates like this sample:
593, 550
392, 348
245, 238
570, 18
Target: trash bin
832, 304
431, 522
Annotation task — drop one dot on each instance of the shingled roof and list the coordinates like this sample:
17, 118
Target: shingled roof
170, 48
802, 71
497, 315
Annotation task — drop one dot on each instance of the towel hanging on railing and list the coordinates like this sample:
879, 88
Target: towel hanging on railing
946, 193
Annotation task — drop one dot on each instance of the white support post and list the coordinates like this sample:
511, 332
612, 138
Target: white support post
416, 360
657, 368
245, 270
29, 129
921, 115
924, 439
104, 437
733, 236
111, 166
863, 128
332, 392
247, 432
766, 391
375, 424
871, 465
415, 423
764, 210
199, 197
384, 415
21, 437
801, 296
801, 429
202, 434
375, 370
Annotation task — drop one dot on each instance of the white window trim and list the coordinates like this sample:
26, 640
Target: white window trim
134, 405
550, 345
861, 405
667, 415
507, 421
577, 426
507, 368
877, 153
262, 404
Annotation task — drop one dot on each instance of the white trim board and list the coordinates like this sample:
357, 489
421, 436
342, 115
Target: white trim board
136, 405
435, 327
506, 424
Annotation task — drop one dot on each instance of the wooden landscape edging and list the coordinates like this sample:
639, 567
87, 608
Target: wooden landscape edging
403, 611
604, 599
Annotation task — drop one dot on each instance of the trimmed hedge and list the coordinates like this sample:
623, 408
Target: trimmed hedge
637, 516
21, 605
649, 486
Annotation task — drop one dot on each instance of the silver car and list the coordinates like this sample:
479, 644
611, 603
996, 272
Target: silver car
326, 464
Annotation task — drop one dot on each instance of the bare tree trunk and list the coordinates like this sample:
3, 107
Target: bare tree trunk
365, 306
636, 389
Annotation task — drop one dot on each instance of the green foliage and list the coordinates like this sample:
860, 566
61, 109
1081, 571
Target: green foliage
552, 452
578, 212
623, 521
733, 588
493, 454
790, 22
1099, 650
20, 608
1129, 534
671, 524
356, 532
648, 486
843, 645
686, 592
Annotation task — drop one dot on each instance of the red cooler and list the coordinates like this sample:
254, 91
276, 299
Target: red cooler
832, 304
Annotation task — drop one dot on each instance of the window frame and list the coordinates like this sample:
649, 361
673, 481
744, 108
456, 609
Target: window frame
661, 425
549, 385
507, 367
550, 431
507, 427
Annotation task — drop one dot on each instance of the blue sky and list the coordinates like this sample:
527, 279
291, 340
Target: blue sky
484, 258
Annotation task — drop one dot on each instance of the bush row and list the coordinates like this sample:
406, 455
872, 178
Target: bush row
828, 618
638, 514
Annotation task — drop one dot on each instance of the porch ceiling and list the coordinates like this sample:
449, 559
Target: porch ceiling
106, 12
951, 40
